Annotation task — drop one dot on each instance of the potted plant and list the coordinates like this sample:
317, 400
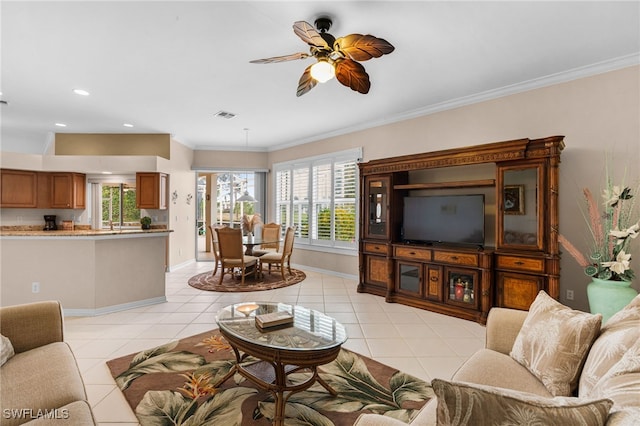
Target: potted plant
145, 222
608, 261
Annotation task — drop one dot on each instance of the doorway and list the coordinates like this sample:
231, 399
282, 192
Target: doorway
219, 202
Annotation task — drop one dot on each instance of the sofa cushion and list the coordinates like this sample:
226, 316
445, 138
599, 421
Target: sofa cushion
553, 343
6, 349
47, 377
425, 417
491, 368
621, 383
616, 337
469, 404
624, 417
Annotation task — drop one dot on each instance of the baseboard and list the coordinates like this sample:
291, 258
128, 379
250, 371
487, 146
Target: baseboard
112, 309
325, 271
173, 268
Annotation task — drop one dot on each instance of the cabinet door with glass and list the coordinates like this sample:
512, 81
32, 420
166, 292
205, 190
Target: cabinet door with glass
462, 287
520, 207
409, 278
377, 193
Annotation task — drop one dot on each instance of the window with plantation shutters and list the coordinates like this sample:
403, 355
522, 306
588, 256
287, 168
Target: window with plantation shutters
319, 196
345, 190
300, 201
283, 196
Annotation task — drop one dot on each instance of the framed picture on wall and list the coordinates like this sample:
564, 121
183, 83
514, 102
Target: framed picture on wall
514, 199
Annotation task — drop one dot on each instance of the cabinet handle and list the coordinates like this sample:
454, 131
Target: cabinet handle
454, 257
434, 278
485, 293
412, 253
519, 262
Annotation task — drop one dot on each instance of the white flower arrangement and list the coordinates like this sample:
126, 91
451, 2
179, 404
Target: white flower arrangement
611, 234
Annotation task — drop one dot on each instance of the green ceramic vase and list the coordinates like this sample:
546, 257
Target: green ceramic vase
607, 297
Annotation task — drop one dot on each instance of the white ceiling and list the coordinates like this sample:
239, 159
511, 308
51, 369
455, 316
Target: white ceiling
169, 66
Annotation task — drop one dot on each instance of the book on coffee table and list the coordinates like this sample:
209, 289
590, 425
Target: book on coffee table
274, 319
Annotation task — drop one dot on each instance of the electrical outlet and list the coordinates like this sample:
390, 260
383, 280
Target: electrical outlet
35, 287
569, 294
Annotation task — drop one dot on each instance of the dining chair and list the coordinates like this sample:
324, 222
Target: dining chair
270, 232
232, 255
279, 259
215, 247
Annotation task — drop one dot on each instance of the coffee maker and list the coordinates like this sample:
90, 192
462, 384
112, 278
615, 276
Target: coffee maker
50, 222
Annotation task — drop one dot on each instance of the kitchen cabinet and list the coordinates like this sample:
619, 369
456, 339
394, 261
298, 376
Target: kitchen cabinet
151, 190
44, 190
68, 190
18, 188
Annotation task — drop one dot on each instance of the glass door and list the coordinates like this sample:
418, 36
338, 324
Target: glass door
224, 198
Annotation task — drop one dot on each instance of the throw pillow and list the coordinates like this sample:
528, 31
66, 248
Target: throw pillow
616, 337
462, 404
621, 383
6, 349
553, 343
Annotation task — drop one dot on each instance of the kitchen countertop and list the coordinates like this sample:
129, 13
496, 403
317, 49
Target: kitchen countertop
80, 233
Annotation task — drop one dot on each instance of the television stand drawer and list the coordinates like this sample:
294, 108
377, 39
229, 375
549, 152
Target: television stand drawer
456, 258
412, 253
378, 248
520, 263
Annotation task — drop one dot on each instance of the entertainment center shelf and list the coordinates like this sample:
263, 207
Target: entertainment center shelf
444, 185
517, 182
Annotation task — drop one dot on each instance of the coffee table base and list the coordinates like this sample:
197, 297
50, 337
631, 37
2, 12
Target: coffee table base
270, 374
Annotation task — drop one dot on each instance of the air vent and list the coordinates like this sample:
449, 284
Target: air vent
224, 114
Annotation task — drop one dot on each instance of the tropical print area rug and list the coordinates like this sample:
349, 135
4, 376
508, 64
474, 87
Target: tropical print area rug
173, 385
268, 281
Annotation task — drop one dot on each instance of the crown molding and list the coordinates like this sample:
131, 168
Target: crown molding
537, 83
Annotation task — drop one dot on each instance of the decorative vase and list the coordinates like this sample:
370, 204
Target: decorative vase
607, 297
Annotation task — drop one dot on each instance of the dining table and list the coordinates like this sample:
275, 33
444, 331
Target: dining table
251, 241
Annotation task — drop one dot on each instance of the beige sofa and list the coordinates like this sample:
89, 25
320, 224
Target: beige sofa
493, 370
41, 383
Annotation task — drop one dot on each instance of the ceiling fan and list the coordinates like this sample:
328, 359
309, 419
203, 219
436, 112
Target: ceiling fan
335, 57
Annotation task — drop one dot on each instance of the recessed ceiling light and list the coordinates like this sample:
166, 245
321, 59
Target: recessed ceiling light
61, 125
127, 125
81, 92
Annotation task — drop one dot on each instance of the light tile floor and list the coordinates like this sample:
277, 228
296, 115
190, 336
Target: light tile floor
419, 342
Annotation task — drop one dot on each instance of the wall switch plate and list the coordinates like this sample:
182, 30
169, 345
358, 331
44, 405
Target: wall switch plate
569, 294
35, 287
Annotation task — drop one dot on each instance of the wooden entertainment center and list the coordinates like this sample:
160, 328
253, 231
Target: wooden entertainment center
520, 254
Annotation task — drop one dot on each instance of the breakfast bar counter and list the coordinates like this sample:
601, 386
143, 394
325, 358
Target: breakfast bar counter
79, 232
90, 272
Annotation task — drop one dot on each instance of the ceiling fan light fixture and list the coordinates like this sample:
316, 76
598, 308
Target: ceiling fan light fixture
323, 71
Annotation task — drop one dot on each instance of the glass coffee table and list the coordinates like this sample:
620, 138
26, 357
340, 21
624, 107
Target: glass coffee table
313, 340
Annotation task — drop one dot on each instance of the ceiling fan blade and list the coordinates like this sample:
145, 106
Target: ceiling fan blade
363, 47
309, 35
352, 74
275, 59
306, 82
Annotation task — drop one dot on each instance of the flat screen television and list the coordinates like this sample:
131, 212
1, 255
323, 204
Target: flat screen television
454, 219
